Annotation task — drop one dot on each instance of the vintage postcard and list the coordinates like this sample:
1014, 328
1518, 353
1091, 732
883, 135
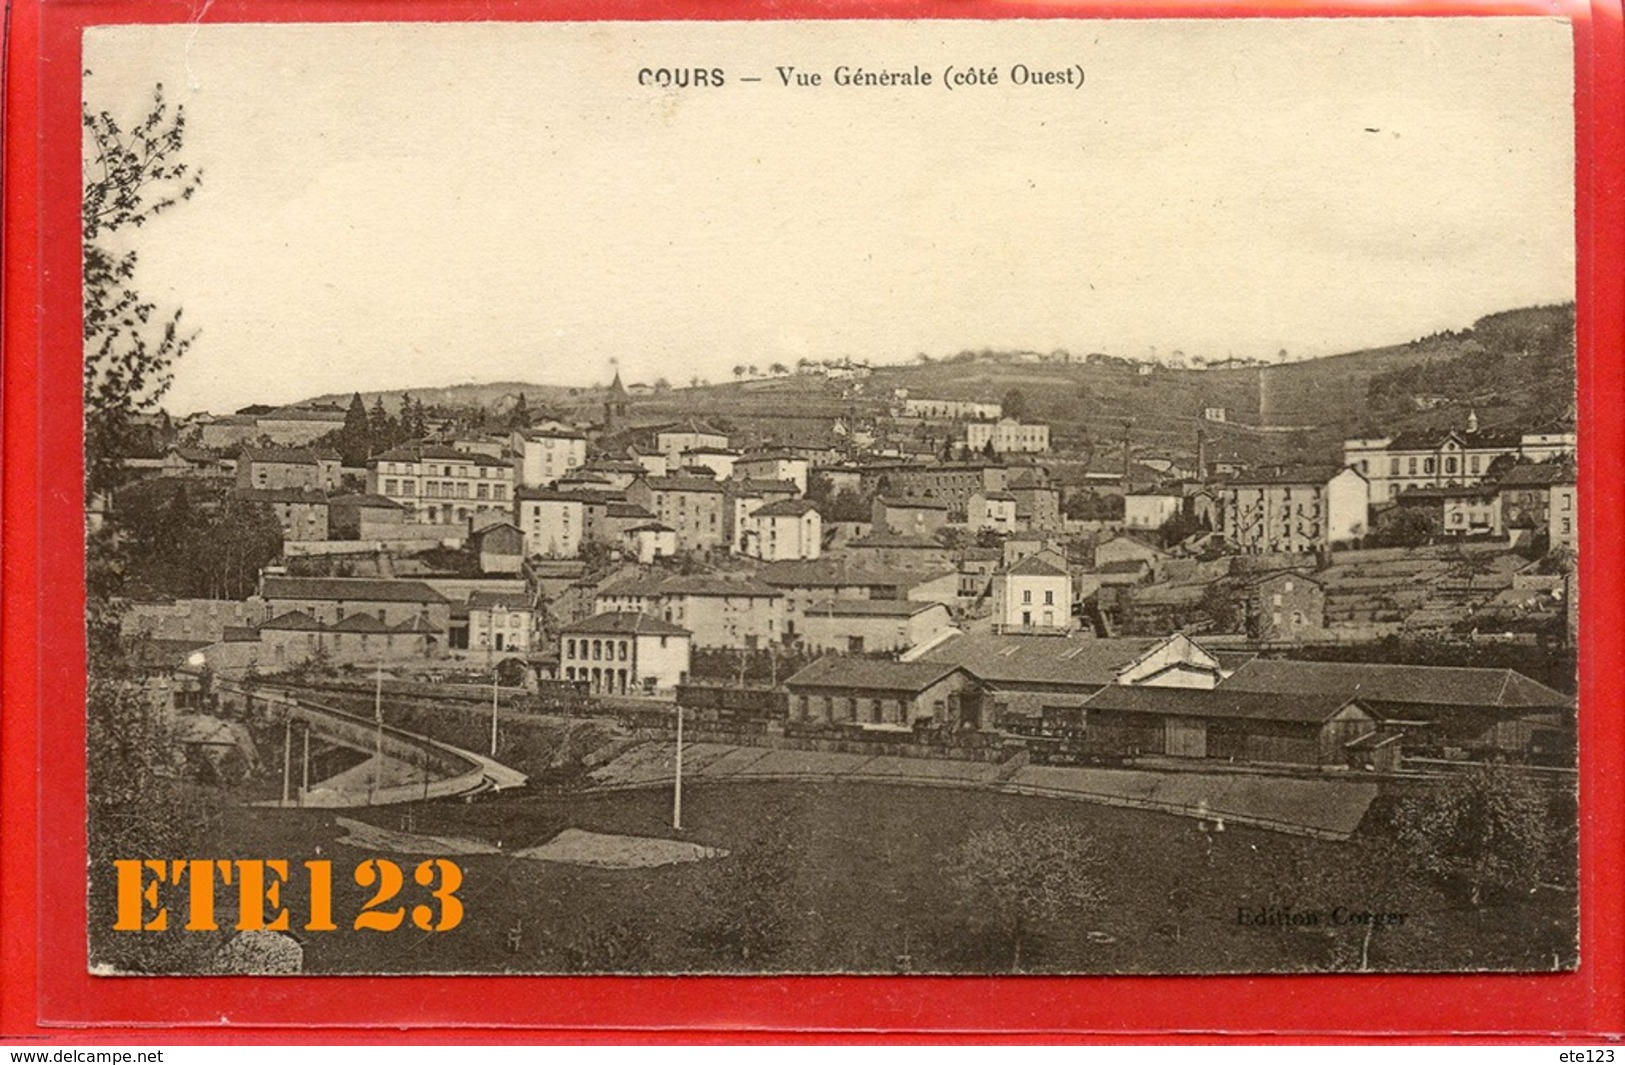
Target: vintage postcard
1054, 496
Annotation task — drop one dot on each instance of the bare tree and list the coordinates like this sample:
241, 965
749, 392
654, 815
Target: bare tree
1033, 872
131, 176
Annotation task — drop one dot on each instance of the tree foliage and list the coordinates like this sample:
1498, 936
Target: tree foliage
132, 175
838, 505
1403, 527
1365, 874
1524, 355
180, 545
137, 805
1031, 873
1181, 526
749, 901
1483, 833
1224, 601
1088, 505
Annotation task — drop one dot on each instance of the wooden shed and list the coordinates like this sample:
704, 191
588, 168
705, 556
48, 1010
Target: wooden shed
1236, 726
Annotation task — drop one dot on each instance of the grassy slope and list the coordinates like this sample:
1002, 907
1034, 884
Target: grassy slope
869, 877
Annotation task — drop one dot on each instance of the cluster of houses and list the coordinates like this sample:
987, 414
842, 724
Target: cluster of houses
956, 596
1471, 483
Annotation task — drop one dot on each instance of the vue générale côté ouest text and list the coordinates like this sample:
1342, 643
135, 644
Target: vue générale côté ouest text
952, 76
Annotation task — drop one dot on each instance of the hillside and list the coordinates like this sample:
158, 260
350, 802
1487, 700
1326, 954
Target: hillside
1514, 368
495, 395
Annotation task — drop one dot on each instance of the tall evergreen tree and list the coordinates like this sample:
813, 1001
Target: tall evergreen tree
355, 419
381, 427
412, 419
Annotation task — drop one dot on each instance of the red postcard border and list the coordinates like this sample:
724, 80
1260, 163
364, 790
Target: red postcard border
44, 989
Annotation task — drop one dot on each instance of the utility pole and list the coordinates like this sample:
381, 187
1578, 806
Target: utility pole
493, 712
378, 735
287, 752
677, 784
304, 773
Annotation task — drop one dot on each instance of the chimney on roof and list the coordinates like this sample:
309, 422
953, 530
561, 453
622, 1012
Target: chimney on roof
1127, 459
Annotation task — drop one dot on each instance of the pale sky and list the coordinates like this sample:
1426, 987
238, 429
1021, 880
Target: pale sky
389, 206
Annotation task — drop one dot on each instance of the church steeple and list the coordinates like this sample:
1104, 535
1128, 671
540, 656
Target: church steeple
1472, 420
615, 404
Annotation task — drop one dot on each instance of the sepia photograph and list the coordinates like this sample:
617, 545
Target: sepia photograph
1057, 496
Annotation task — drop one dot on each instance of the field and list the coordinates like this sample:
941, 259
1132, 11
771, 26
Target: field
860, 878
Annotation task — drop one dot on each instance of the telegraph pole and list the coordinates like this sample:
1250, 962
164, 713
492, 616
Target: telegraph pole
378, 734
493, 712
677, 786
287, 752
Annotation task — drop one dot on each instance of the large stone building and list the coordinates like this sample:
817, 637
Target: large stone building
1526, 493
774, 466
716, 612
1034, 595
788, 530
543, 456
294, 637
300, 424
718, 460
1441, 459
1007, 436
868, 626
362, 516
723, 613
1038, 506
501, 622
952, 483
890, 550
555, 524
991, 512
500, 547
1285, 607
439, 485
333, 599
692, 506
1295, 509
295, 426
673, 441
286, 467
624, 654
1148, 511
741, 499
